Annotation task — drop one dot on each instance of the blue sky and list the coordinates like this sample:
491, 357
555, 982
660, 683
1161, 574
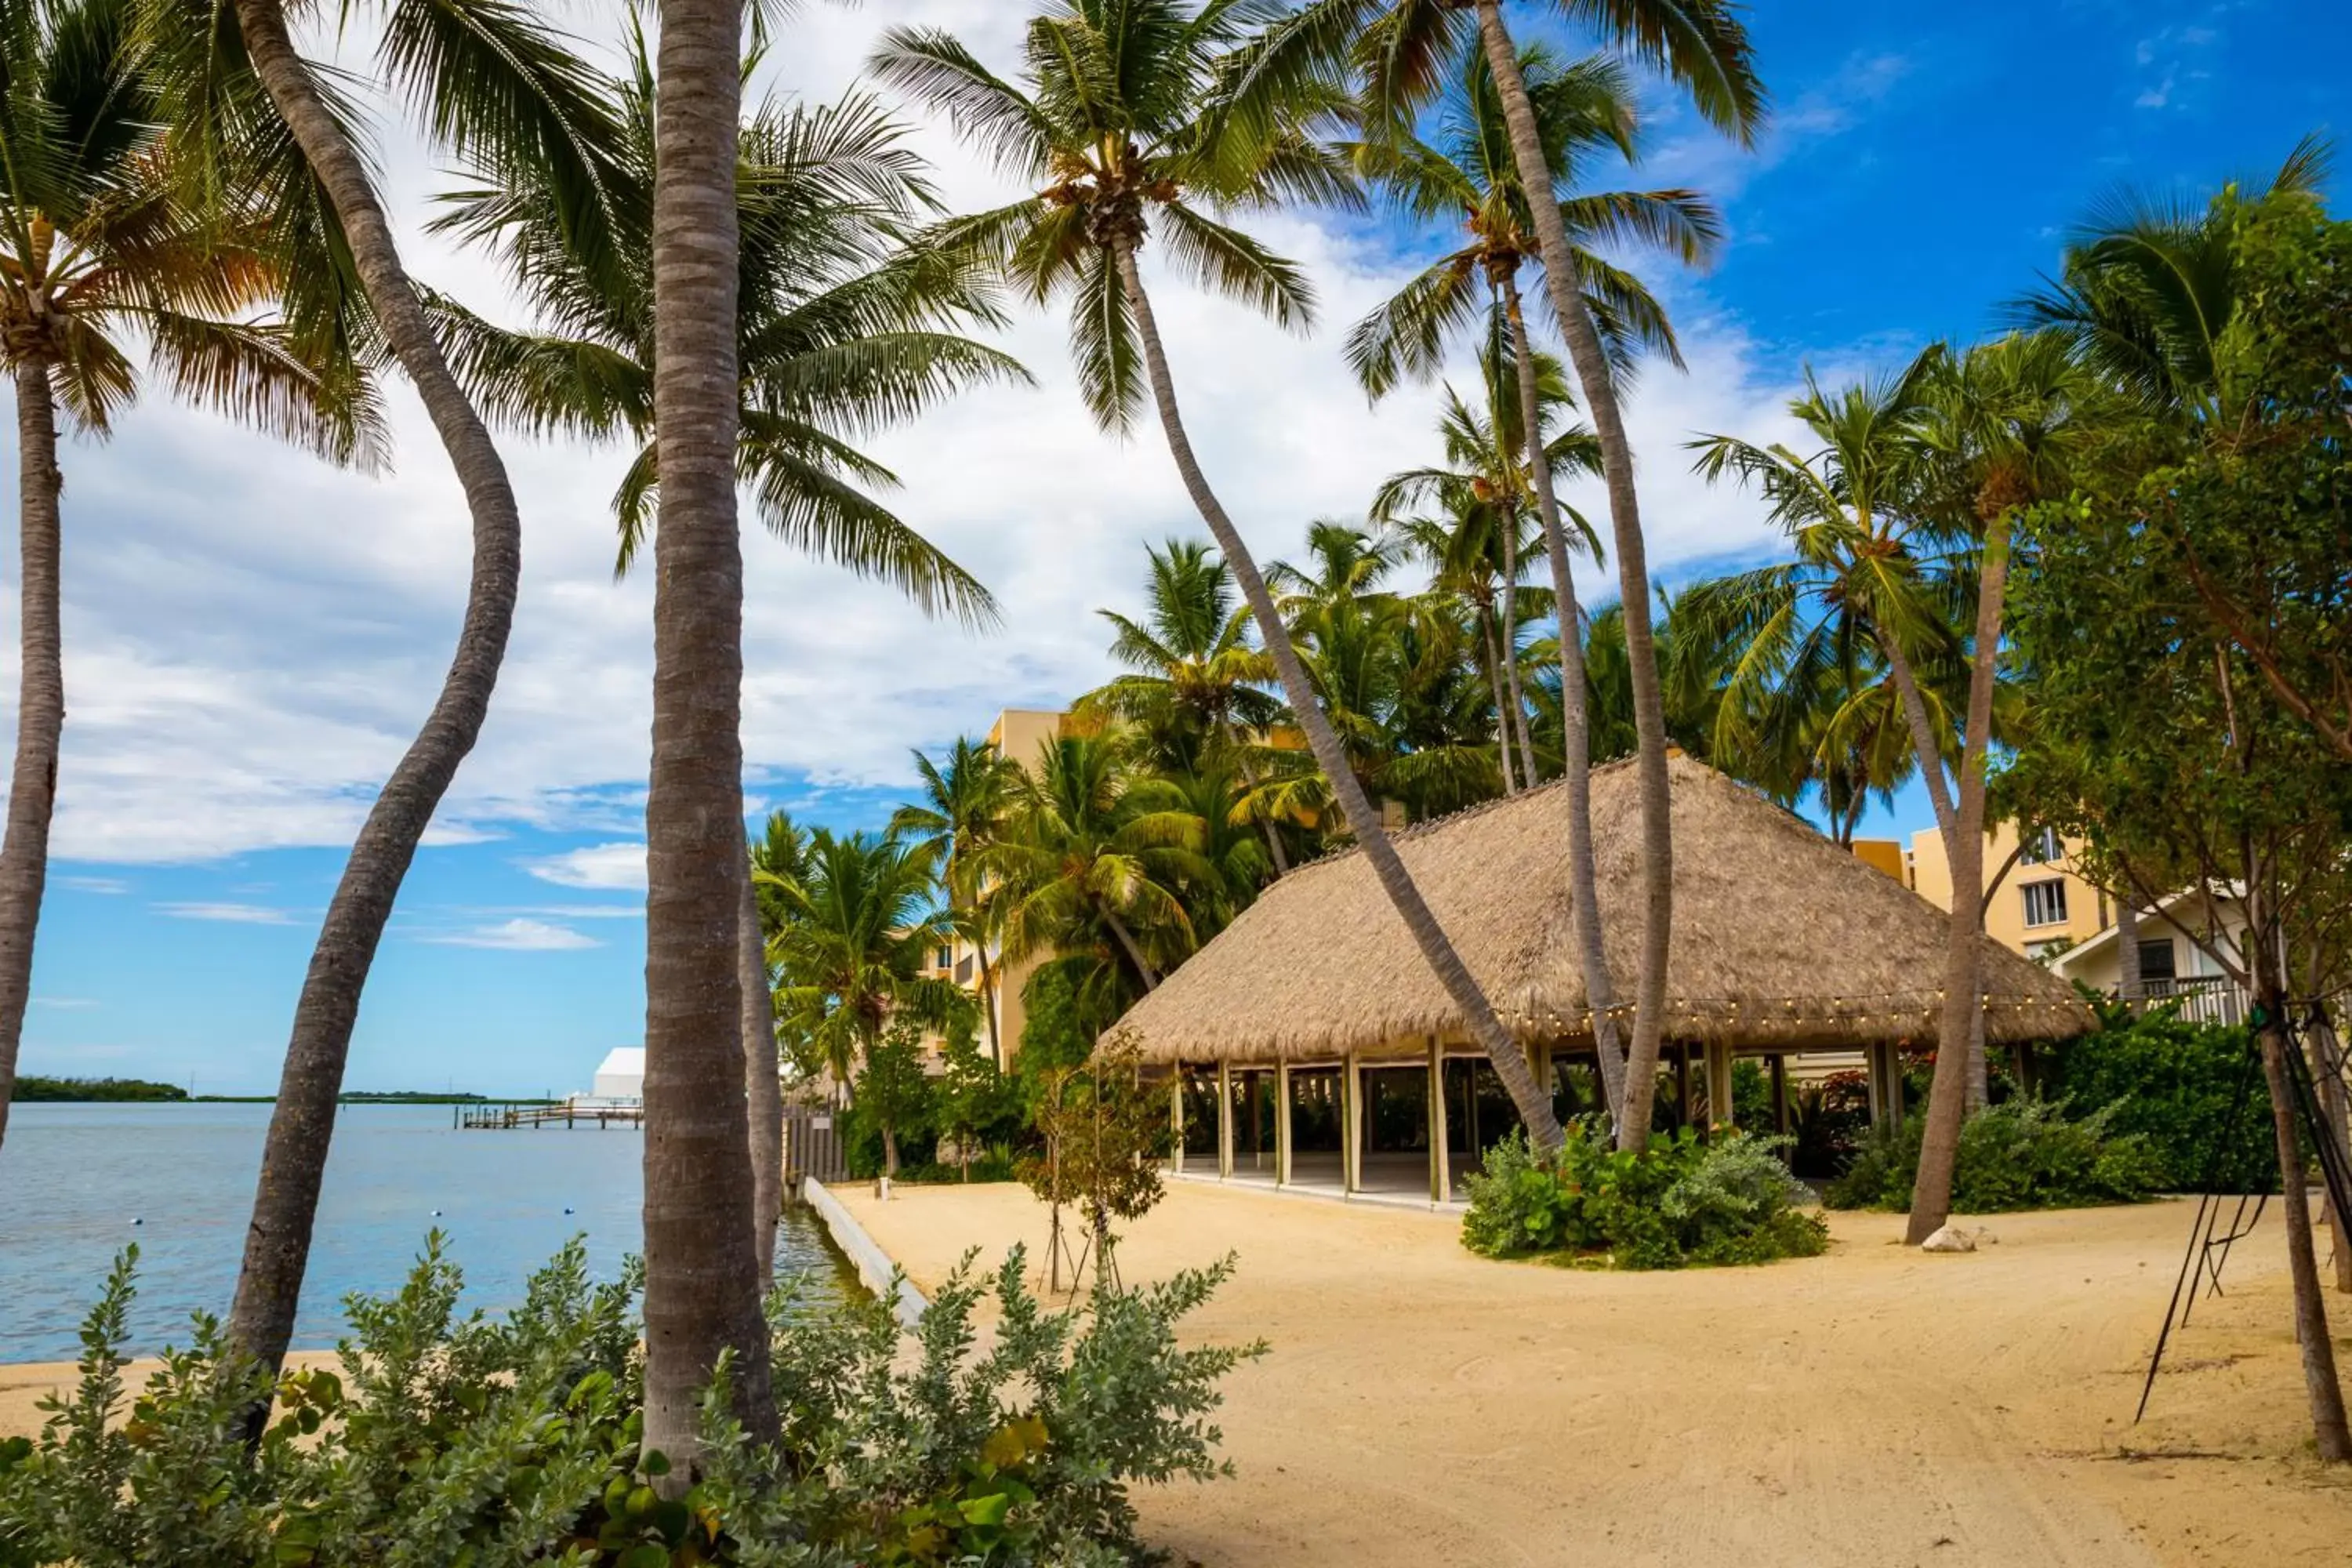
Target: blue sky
250, 637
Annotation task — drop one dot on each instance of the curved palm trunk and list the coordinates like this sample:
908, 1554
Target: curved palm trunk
1508, 633
1963, 1014
294, 1155
702, 1283
1503, 743
1576, 727
1478, 1013
1923, 739
1584, 352
763, 1095
40, 713
988, 1005
1127, 942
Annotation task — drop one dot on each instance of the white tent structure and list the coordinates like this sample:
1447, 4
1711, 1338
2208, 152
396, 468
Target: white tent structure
621, 1074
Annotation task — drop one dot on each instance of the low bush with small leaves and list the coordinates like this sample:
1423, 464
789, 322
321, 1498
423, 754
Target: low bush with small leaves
1682, 1201
2023, 1153
496, 1443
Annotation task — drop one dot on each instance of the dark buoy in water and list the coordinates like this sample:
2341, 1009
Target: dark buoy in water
437, 1214
136, 1220
567, 1208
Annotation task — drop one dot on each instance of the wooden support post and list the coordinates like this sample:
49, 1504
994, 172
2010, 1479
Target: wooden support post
1682, 1082
1780, 1093
1351, 1125
1718, 1084
1282, 1124
1224, 1121
1440, 1175
1176, 1120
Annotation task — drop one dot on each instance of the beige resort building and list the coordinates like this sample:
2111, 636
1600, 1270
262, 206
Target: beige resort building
2042, 909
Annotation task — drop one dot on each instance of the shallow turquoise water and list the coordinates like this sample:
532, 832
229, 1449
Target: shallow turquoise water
73, 1178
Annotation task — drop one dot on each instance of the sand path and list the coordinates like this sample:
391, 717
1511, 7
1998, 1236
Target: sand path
1873, 1406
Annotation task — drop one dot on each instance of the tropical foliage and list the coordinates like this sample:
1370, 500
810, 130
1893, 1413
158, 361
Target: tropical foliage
442, 1436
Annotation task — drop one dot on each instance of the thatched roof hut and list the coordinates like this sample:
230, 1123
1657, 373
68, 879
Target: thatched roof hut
1782, 941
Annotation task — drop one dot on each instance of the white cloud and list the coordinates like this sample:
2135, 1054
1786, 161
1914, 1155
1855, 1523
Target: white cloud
252, 639
66, 1004
518, 935
233, 914
597, 866
107, 885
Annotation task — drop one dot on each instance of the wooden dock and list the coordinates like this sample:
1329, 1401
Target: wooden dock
565, 1114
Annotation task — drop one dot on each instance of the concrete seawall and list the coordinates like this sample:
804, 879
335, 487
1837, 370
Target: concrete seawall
875, 1269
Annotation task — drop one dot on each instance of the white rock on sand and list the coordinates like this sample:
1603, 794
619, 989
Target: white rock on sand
1951, 1238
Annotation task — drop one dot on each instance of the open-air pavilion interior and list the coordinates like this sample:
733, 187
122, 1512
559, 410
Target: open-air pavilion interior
1310, 1047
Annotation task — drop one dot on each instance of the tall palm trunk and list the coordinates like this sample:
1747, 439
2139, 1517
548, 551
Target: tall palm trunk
1963, 1012
988, 1005
702, 1284
1585, 353
1508, 631
1575, 724
294, 1154
1924, 743
40, 712
2131, 985
1503, 738
1478, 1013
763, 1095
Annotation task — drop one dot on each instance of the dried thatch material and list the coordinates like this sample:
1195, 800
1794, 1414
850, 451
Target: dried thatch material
1781, 941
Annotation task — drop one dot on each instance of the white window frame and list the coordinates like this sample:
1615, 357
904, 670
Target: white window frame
2026, 892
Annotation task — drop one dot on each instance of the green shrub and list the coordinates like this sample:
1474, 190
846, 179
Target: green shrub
448, 1439
1682, 1201
2173, 1084
2025, 1153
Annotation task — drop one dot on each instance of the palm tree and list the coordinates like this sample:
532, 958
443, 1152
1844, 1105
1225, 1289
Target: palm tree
858, 922
1403, 48
487, 76
963, 810
1198, 683
1870, 564
703, 1289
1135, 110
843, 327
1090, 862
99, 245
2002, 430
1477, 546
1469, 172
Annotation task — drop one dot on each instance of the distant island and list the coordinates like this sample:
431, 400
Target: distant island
30, 1089
99, 1090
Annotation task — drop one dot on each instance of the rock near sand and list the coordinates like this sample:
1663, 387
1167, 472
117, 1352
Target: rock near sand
1951, 1238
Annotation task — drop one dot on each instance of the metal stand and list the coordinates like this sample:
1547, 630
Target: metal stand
2336, 1174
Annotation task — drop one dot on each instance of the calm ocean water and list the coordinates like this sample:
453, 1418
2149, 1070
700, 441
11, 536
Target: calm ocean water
74, 1178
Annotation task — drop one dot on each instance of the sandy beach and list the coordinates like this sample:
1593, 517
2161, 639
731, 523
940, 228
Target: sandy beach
1873, 1407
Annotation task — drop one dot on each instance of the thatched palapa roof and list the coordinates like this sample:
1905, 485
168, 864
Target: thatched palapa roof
1781, 939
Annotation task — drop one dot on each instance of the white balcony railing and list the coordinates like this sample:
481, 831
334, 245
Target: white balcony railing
2201, 999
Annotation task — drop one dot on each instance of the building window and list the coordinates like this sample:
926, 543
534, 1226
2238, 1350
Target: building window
947, 958
2045, 903
2156, 961
2040, 847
